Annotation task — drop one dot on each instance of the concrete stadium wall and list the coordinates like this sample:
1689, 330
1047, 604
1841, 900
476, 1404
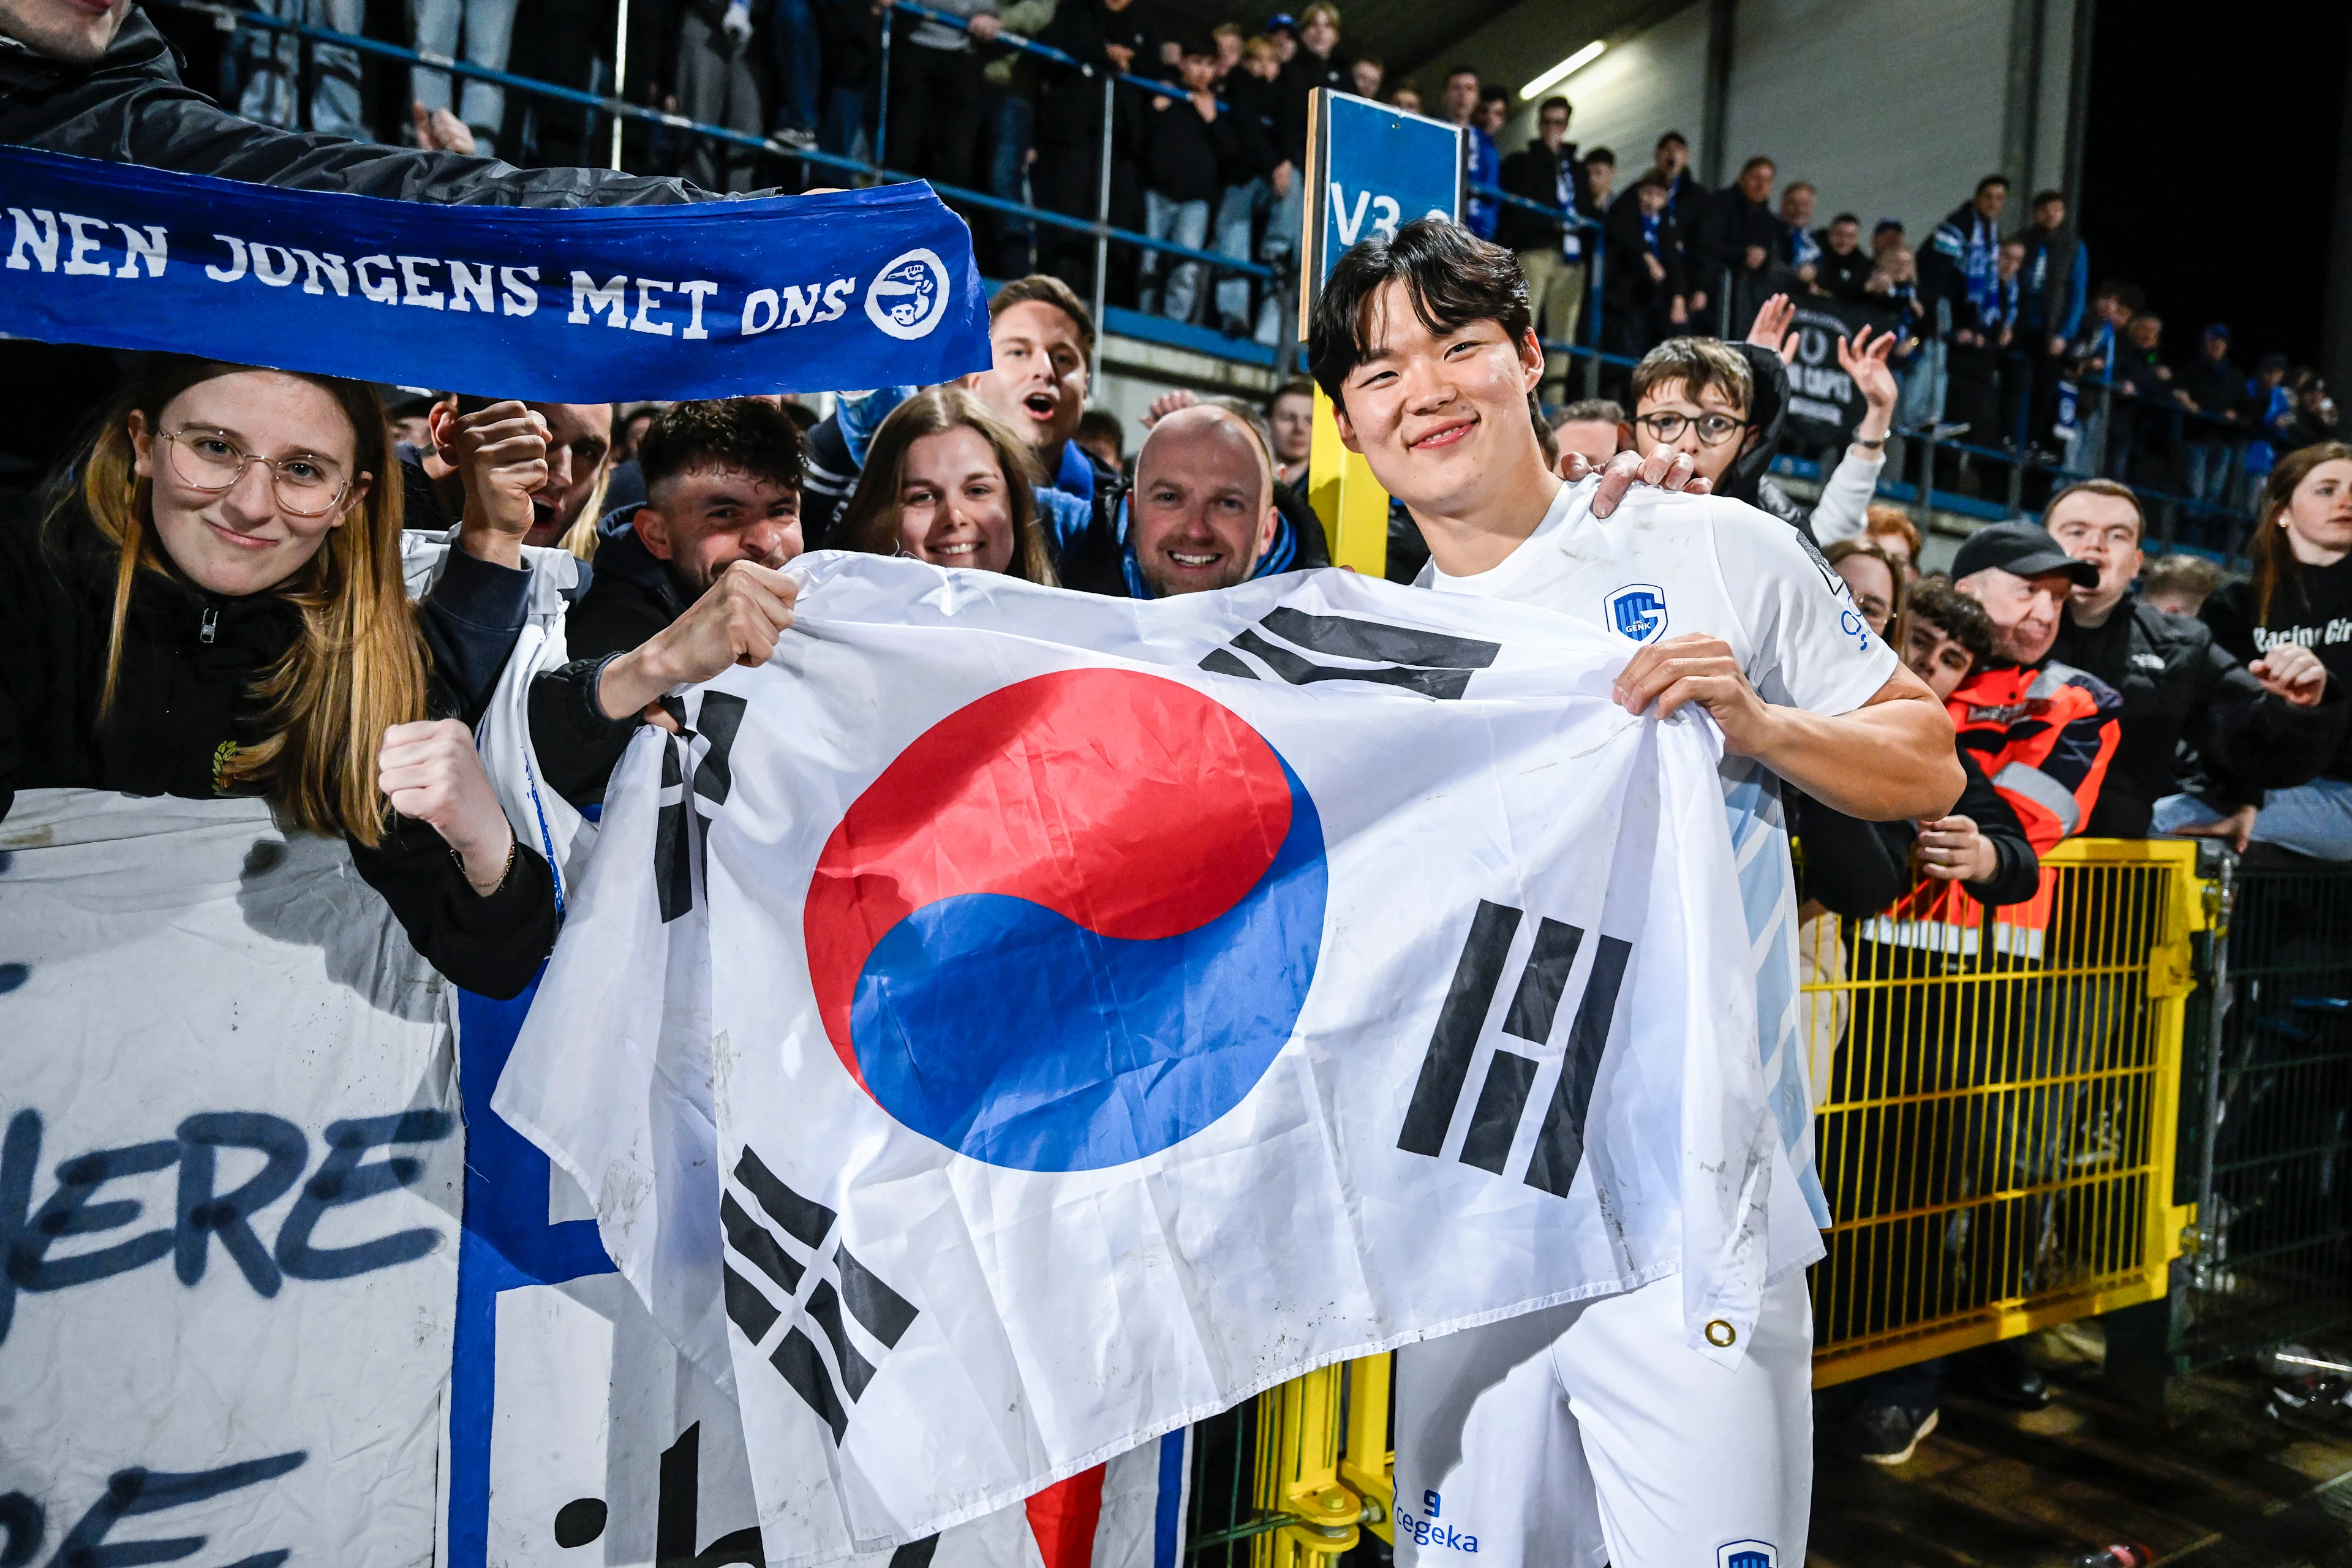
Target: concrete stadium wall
1892, 108
1635, 93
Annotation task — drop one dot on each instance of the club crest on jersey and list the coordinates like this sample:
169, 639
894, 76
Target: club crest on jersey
1637, 610
1745, 1555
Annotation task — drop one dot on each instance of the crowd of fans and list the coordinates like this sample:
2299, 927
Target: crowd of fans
2003, 346
202, 597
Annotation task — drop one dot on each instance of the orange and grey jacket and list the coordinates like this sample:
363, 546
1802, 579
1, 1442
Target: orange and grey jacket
2044, 734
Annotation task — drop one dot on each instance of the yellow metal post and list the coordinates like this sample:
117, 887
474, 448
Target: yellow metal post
1352, 506
1298, 1473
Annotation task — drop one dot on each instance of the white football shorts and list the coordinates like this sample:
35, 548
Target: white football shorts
1590, 1433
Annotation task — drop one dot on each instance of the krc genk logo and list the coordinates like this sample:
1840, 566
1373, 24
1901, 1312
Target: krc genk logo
909, 296
1072, 924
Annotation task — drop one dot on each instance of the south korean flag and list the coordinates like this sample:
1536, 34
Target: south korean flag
1013, 1025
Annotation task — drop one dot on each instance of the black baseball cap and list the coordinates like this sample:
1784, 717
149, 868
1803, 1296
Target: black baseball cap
2022, 549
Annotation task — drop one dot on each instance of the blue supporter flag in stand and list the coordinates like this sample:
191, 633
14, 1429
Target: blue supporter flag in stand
713, 299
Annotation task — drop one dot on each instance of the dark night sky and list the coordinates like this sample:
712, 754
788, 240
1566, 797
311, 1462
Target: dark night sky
2209, 171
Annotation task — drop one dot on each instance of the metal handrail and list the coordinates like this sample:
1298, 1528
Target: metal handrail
228, 18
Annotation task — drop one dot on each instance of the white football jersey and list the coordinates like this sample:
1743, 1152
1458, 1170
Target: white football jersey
1664, 565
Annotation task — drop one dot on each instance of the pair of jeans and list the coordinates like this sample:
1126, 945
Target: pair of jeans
2208, 475
489, 28
1286, 224
272, 65
800, 65
1012, 116
1236, 222
847, 129
1186, 223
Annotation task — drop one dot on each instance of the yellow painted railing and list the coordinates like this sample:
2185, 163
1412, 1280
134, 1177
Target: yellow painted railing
1997, 1111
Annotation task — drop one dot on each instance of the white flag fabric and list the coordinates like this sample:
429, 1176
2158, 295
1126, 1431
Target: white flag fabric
228, 1193
1014, 1024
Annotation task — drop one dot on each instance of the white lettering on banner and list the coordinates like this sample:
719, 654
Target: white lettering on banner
237, 256
41, 242
420, 290
587, 299
521, 290
650, 290
278, 273
88, 234
150, 248
765, 310
695, 288
469, 287
332, 267
383, 291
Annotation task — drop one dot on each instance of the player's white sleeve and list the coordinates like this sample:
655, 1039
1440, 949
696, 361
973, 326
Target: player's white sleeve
1812, 649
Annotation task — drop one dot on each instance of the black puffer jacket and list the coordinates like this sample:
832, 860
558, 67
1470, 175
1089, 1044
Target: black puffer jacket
131, 107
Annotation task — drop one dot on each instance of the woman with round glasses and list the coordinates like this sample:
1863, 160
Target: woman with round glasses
215, 607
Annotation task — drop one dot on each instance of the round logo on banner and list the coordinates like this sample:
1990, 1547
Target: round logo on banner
908, 297
1072, 924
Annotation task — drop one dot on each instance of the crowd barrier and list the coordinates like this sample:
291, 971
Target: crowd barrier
2272, 1136
1999, 1111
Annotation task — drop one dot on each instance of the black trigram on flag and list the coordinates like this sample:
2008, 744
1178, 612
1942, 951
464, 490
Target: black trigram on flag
1296, 647
1502, 1101
700, 777
876, 1313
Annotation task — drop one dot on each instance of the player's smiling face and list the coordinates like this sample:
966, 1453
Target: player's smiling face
1440, 415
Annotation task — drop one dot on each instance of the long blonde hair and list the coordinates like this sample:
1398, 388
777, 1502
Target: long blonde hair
358, 666
870, 521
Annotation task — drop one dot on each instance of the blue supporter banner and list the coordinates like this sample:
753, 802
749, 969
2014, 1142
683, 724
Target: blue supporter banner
720, 299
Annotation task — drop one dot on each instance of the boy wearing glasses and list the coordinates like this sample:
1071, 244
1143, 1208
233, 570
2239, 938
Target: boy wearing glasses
1666, 1419
1693, 394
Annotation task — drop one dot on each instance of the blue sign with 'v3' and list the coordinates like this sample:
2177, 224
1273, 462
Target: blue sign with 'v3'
1375, 169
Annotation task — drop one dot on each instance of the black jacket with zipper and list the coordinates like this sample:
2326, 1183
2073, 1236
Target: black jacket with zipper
184, 693
2178, 685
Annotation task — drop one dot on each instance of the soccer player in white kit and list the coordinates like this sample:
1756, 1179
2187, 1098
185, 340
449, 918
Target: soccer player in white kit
1612, 1429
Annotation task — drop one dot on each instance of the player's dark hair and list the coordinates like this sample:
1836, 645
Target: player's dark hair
748, 435
1452, 277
